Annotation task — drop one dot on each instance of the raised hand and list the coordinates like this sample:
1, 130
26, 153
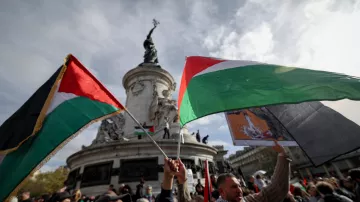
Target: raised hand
278, 148
181, 174
171, 167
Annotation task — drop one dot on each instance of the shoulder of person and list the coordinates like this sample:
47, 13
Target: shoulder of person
345, 199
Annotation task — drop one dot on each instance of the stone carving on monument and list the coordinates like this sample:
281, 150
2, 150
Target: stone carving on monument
163, 107
111, 129
137, 87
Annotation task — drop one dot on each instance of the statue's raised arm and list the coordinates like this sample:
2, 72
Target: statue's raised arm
150, 55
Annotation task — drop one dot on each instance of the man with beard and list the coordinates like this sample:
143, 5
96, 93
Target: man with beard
230, 188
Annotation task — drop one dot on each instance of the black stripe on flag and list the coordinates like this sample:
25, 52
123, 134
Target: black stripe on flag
19, 126
321, 132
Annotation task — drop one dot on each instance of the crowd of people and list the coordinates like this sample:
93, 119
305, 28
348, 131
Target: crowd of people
224, 188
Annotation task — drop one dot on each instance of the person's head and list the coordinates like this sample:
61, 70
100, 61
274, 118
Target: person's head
258, 177
355, 174
149, 190
142, 180
213, 178
251, 179
111, 186
297, 191
229, 187
25, 195
348, 183
199, 181
324, 188
333, 182
311, 189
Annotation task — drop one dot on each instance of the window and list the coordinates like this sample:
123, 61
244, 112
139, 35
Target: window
134, 169
72, 178
97, 174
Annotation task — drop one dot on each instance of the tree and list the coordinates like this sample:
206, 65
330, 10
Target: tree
47, 182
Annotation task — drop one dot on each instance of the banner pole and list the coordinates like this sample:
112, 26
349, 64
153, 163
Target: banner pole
179, 143
149, 136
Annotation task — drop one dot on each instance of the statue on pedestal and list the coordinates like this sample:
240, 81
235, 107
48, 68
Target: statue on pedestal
150, 55
111, 129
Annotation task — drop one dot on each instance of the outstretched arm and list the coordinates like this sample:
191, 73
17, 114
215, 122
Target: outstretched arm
151, 31
279, 187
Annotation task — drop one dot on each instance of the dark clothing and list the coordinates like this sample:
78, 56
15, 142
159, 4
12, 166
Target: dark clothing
166, 132
215, 194
198, 138
299, 199
139, 191
344, 192
335, 198
165, 196
27, 200
251, 187
357, 192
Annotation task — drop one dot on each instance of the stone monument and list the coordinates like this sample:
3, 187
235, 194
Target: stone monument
118, 156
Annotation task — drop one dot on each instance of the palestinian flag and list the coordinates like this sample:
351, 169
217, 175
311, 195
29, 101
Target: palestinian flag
69, 101
149, 129
210, 85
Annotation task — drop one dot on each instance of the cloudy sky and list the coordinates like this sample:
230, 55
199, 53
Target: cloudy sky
107, 37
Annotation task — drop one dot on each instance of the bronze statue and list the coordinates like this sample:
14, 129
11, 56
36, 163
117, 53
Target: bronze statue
150, 55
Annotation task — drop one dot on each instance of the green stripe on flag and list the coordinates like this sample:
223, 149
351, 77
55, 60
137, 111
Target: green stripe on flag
66, 120
261, 85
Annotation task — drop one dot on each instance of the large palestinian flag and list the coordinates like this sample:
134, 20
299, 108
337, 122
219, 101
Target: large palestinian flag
69, 101
210, 85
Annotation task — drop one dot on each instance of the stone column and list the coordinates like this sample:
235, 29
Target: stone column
79, 182
145, 85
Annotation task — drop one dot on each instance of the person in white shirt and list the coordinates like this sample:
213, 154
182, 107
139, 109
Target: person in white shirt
166, 128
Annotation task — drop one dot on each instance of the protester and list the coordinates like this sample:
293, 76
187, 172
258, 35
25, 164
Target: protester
25, 197
313, 194
260, 183
355, 176
140, 189
230, 190
298, 195
251, 185
328, 194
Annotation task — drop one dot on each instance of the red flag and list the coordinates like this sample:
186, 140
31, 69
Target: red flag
152, 129
208, 188
305, 182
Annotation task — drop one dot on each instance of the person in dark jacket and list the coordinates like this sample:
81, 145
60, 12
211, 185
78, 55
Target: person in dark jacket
355, 176
140, 189
328, 194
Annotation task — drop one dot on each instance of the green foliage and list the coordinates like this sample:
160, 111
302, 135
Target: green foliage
47, 182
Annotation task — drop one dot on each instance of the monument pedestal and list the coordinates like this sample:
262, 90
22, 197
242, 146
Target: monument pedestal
117, 156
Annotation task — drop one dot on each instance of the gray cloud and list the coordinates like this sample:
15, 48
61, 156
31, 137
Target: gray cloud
107, 37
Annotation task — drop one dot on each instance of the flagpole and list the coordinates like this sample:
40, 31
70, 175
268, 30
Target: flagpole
179, 143
137, 122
